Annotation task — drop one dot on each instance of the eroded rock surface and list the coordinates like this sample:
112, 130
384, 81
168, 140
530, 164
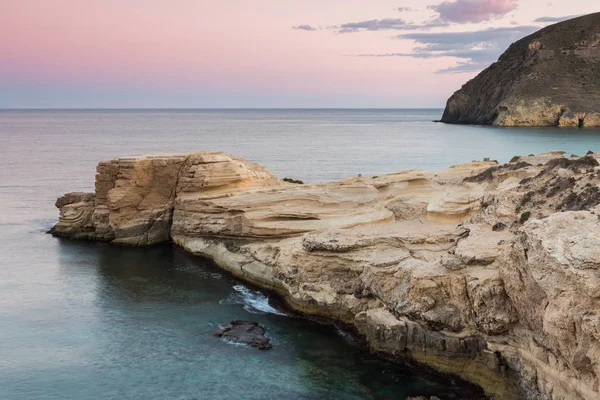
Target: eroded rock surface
134, 199
490, 272
550, 78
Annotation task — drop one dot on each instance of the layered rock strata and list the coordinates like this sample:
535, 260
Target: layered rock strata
489, 272
135, 197
550, 78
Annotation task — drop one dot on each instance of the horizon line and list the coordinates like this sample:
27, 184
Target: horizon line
213, 108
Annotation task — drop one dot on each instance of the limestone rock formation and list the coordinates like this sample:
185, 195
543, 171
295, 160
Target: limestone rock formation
550, 78
135, 197
489, 272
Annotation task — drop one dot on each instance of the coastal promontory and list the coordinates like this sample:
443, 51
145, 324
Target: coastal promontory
550, 78
486, 271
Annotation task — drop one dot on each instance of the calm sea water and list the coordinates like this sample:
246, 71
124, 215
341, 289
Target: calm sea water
91, 321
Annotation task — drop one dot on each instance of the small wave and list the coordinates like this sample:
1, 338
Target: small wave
44, 225
234, 343
253, 301
346, 336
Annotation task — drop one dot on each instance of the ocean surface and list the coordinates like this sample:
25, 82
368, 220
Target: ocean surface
92, 321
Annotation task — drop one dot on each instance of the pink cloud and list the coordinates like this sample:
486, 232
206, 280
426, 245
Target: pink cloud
463, 11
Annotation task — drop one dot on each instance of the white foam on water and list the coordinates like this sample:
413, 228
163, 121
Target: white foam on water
234, 343
253, 301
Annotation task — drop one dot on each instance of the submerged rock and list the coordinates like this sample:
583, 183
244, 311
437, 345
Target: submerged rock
244, 332
550, 78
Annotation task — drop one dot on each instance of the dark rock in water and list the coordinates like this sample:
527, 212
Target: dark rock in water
245, 332
550, 78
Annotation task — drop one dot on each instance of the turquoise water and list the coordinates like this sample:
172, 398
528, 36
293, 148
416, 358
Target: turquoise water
92, 321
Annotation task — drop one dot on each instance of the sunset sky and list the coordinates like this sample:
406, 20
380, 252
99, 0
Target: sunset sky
256, 53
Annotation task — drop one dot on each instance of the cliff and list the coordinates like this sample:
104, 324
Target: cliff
490, 272
550, 78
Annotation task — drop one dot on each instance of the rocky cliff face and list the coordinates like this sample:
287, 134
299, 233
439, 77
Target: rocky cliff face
490, 272
550, 78
135, 197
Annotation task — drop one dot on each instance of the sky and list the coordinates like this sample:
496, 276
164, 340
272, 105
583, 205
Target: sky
256, 53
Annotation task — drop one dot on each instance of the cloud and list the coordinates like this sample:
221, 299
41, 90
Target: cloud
476, 50
448, 12
468, 38
556, 19
461, 68
374, 25
304, 27
386, 25
464, 11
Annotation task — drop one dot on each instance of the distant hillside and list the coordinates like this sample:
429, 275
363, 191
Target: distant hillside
550, 78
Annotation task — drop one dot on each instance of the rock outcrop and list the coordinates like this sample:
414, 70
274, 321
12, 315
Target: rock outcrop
135, 197
550, 78
244, 332
489, 272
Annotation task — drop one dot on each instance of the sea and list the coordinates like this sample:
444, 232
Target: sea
92, 321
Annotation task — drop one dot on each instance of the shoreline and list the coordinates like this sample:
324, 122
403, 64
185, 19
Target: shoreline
474, 372
454, 269
278, 301
281, 303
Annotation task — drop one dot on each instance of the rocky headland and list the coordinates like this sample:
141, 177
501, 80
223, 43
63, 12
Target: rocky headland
489, 272
550, 78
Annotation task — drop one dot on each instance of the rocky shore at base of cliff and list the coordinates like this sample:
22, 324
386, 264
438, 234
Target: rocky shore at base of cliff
550, 78
489, 272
